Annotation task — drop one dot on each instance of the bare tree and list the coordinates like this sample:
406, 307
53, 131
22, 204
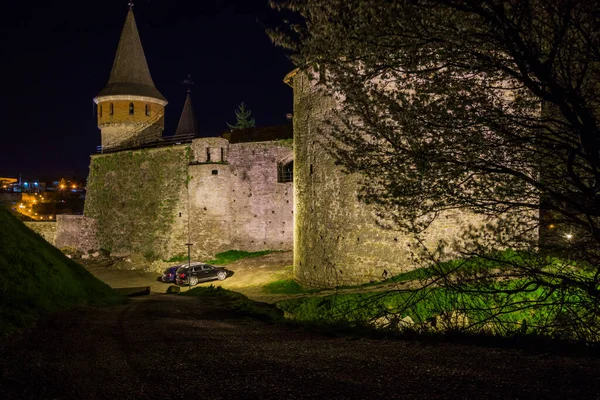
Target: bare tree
486, 106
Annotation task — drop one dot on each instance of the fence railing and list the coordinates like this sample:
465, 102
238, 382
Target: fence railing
140, 143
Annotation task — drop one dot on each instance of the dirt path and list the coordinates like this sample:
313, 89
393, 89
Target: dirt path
165, 346
249, 275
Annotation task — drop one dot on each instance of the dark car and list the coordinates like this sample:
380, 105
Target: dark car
169, 274
199, 273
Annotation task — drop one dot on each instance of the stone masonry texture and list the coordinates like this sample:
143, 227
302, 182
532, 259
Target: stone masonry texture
46, 229
337, 241
76, 232
228, 200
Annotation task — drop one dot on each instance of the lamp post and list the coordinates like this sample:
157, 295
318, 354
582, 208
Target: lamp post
569, 236
189, 246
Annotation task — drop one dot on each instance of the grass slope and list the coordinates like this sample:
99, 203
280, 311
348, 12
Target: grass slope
234, 255
36, 278
237, 302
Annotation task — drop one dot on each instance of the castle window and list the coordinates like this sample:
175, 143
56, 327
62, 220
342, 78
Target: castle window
208, 154
147, 110
285, 172
100, 111
131, 109
112, 109
222, 154
215, 172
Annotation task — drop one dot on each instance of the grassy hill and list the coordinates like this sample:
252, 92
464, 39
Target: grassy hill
36, 278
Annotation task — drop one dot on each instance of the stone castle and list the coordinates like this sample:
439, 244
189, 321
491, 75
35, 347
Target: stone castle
151, 195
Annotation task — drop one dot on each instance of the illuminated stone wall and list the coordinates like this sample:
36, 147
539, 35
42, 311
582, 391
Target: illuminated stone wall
152, 202
136, 198
76, 232
237, 203
47, 230
262, 208
337, 241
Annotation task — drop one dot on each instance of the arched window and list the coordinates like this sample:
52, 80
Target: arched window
112, 109
100, 110
285, 172
147, 110
222, 154
130, 108
207, 154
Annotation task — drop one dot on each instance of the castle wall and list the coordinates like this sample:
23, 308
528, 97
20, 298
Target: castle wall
137, 197
47, 230
237, 203
210, 209
154, 201
263, 208
337, 241
77, 232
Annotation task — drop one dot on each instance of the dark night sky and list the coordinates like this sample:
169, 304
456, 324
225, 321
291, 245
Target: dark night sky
57, 56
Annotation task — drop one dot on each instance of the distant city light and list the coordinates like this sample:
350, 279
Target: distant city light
569, 236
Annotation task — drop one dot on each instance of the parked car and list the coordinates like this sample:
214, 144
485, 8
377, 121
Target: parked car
199, 273
169, 274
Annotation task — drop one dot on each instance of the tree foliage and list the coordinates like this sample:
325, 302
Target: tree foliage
484, 106
243, 118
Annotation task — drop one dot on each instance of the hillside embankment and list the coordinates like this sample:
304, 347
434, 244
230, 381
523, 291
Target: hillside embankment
36, 278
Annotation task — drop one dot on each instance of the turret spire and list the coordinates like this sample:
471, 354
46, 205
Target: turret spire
130, 74
188, 126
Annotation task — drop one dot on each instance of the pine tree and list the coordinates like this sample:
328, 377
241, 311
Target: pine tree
243, 117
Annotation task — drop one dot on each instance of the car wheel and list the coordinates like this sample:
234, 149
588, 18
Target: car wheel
193, 281
221, 275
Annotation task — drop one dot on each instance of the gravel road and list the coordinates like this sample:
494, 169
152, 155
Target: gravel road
169, 347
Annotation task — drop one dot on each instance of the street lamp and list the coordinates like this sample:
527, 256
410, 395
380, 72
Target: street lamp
569, 236
189, 246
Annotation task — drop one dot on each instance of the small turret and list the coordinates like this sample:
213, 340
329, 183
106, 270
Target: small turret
130, 108
187, 129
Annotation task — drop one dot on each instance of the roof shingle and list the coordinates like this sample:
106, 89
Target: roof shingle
130, 74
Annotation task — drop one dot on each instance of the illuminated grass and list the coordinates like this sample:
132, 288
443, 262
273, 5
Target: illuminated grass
180, 258
504, 308
234, 255
286, 286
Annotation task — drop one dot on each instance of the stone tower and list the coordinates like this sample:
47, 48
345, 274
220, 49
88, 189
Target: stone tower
130, 108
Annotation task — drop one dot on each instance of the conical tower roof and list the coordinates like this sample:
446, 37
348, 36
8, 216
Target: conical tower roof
130, 74
187, 123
